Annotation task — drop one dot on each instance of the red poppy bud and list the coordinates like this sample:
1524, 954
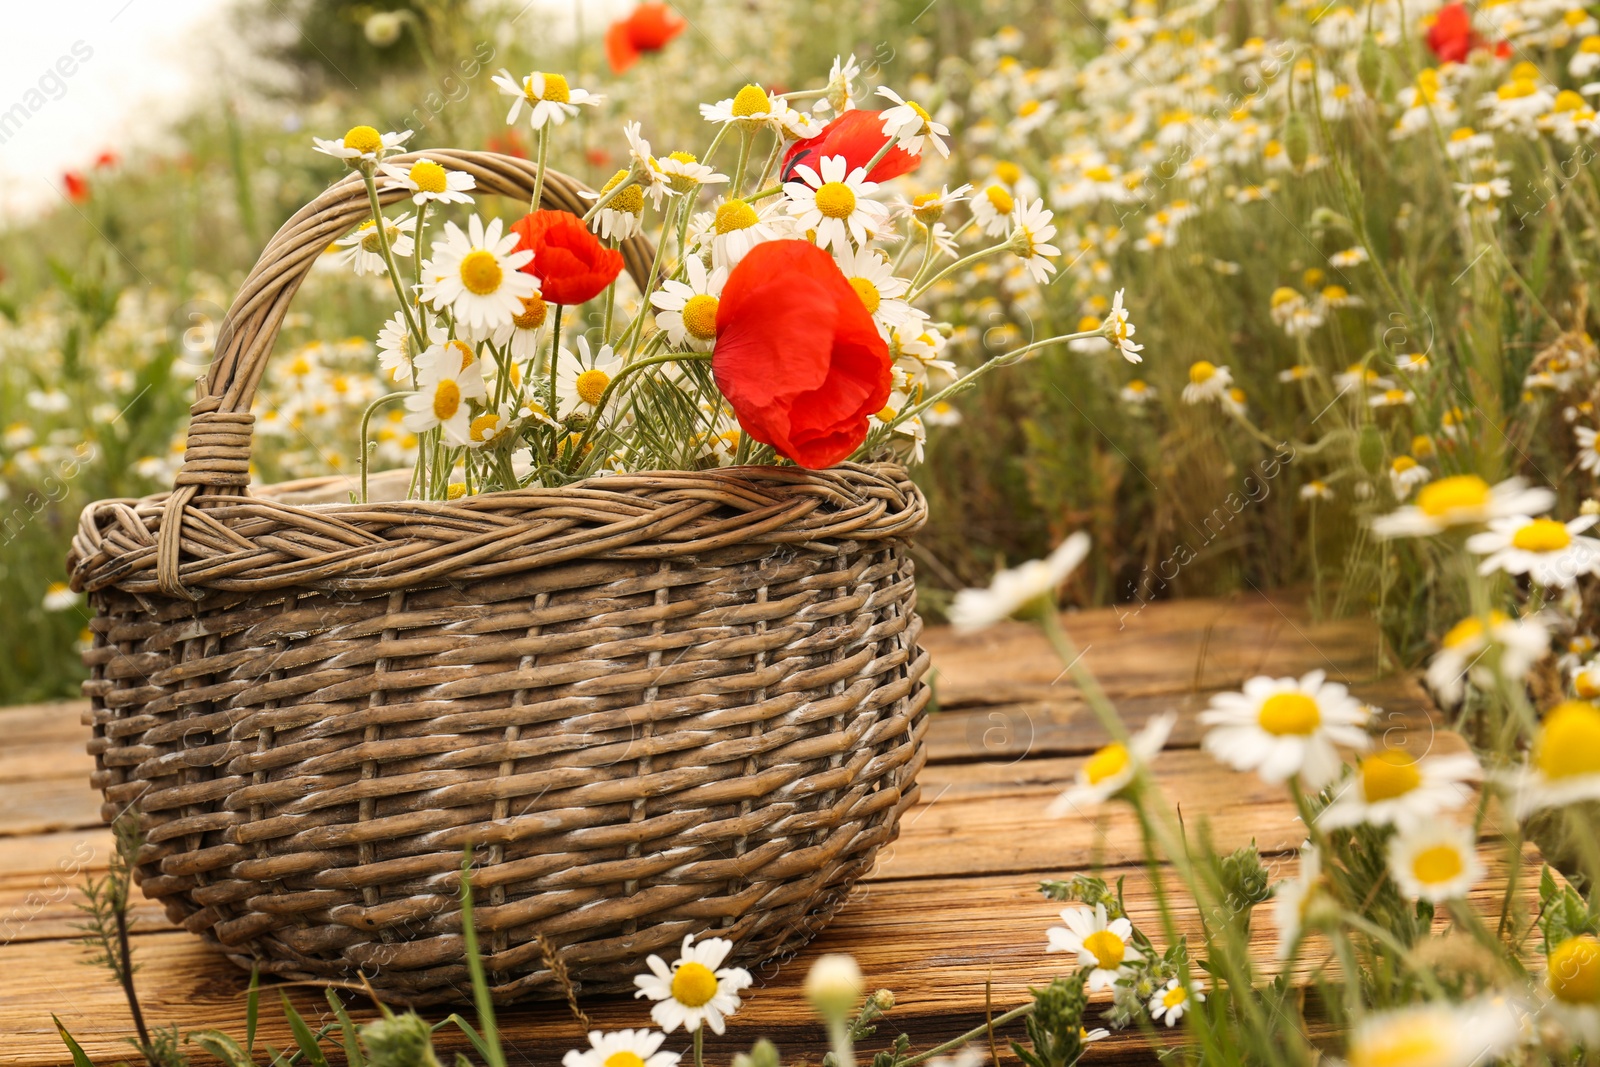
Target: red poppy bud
77, 186
798, 355
857, 136
1451, 36
647, 29
570, 262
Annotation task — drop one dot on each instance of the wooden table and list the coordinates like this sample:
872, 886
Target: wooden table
951, 907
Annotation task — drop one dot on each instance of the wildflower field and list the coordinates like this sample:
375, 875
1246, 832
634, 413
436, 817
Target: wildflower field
978, 309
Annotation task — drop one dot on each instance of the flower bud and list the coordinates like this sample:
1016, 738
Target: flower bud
1296, 139
1369, 64
1370, 448
834, 984
399, 1041
884, 999
383, 28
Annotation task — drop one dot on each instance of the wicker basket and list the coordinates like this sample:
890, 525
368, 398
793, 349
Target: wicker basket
655, 704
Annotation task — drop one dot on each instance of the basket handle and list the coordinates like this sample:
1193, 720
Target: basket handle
216, 456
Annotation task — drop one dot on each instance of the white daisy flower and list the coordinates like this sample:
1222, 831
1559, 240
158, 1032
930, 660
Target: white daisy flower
1121, 331
362, 144
685, 173
548, 96
1137, 392
1589, 452
1461, 500
943, 413
835, 204
1349, 257
1389, 788
582, 379
882, 292
1171, 1001
1104, 774
622, 217
1316, 489
1549, 552
1280, 727
1032, 227
928, 208
1412, 362
362, 251
396, 348
991, 210
1439, 1034
687, 311
1032, 584
1391, 398
1483, 192
911, 127
1564, 763
49, 401
1293, 899
58, 596
1099, 945
447, 379
1471, 649
840, 94
1572, 981
478, 275
1356, 376
521, 336
697, 990
428, 180
1405, 474
750, 109
646, 170
489, 427
1434, 861
1207, 381
622, 1048
793, 123
733, 229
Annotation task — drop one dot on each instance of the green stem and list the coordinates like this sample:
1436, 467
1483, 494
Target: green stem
480, 986
555, 351
366, 420
538, 179
378, 223
965, 261
970, 1035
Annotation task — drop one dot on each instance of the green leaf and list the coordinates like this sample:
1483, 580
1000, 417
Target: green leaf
252, 1010
79, 1057
303, 1036
347, 1031
221, 1046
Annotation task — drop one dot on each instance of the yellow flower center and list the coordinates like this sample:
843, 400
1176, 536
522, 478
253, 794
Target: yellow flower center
1283, 295
556, 89
631, 199
1029, 107
456, 490
1402, 464
1568, 744
1109, 762
700, 316
1542, 535
1008, 172
1590, 45
1587, 684
1517, 89
1087, 323
625, 1058
1175, 996
1106, 948
466, 353
1575, 970
1470, 630
446, 400
591, 386
1100, 173
1394, 396
1421, 1043
734, 214
534, 312
1202, 371
999, 199
480, 272
484, 427
1461, 492
1388, 774
429, 177
836, 200
751, 100
1567, 100
1284, 714
870, 297
923, 115
1437, 864
371, 242
363, 139
693, 985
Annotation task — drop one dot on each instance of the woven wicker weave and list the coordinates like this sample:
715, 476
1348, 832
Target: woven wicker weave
655, 704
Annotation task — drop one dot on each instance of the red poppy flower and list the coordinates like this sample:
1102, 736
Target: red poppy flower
797, 355
106, 159
648, 29
1451, 36
856, 135
77, 186
570, 262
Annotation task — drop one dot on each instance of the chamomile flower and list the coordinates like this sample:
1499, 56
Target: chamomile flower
1207, 382
685, 173
991, 210
835, 204
1390, 788
1171, 1001
397, 350
910, 126
478, 275
1550, 552
1120, 331
734, 228
362, 144
1113, 766
1572, 982
1101, 946
548, 96
749, 109
1316, 489
928, 208
1392, 398
1280, 727
882, 292
1483, 193
696, 990
1438, 1034
521, 335
623, 214
1589, 451
1434, 861
488, 427
687, 310
1032, 227
582, 379
1137, 392
1462, 500
1294, 900
58, 596
428, 180
1405, 474
447, 379
363, 252
1564, 762
622, 1048
1349, 257
1296, 315
840, 93
1477, 648
646, 170
1032, 585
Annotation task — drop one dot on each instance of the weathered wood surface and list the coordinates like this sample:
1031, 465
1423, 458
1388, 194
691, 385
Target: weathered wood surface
951, 906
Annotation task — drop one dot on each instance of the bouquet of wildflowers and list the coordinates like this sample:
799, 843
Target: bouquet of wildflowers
787, 313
